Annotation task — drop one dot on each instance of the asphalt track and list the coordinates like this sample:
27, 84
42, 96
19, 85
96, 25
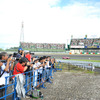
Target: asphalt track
59, 56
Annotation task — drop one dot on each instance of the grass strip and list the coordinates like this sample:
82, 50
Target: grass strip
84, 60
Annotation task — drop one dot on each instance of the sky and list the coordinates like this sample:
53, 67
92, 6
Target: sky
48, 21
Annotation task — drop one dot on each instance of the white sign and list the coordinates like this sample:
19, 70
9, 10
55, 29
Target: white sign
76, 46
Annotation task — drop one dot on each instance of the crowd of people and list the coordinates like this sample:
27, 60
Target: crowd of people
18, 63
86, 42
43, 45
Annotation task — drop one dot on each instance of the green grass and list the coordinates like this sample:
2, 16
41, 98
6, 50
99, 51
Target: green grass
74, 69
44, 50
85, 60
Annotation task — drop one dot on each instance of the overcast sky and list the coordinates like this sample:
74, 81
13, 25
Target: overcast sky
48, 21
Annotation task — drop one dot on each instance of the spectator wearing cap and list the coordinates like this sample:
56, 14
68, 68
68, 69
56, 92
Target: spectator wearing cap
21, 52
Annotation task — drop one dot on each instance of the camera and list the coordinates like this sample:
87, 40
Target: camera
13, 58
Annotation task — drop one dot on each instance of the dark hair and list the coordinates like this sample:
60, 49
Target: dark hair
40, 59
2, 54
35, 60
15, 54
44, 57
23, 59
48, 56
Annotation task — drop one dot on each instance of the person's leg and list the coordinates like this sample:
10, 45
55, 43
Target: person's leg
48, 76
38, 80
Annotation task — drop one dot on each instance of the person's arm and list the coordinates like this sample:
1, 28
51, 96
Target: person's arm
35, 67
12, 64
22, 53
25, 68
7, 65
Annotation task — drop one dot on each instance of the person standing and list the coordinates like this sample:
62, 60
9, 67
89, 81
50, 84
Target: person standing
4, 70
28, 56
19, 69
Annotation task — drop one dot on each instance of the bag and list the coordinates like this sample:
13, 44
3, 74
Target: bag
36, 94
2, 73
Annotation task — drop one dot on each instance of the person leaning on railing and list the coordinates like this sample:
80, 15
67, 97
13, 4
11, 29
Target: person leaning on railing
35, 72
19, 69
1, 85
4, 71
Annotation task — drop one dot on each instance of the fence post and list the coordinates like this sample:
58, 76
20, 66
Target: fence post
15, 88
68, 66
93, 67
61, 66
30, 77
5, 87
33, 79
26, 83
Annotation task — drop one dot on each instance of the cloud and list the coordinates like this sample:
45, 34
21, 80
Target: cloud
44, 22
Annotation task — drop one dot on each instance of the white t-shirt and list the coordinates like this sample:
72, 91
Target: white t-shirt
48, 64
34, 66
40, 69
5, 74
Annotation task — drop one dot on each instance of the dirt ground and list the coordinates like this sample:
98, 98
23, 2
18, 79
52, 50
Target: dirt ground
72, 86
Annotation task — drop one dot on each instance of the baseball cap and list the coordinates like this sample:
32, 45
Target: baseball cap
18, 56
20, 49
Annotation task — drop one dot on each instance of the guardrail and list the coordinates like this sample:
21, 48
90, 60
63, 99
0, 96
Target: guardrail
83, 65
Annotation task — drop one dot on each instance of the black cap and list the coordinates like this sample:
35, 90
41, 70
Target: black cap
23, 59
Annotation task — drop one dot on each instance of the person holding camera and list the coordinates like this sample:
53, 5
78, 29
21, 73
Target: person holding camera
21, 66
35, 72
1, 80
21, 52
19, 70
28, 56
4, 71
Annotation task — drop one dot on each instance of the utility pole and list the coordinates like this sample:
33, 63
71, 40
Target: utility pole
22, 34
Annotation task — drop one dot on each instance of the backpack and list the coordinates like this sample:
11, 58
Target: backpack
36, 94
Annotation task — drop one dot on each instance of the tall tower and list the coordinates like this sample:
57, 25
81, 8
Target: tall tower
22, 34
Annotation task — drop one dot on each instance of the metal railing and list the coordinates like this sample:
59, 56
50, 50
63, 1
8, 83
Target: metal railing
32, 79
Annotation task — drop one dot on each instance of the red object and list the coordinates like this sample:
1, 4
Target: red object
28, 56
80, 52
65, 57
18, 69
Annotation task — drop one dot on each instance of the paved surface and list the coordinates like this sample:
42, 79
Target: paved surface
59, 56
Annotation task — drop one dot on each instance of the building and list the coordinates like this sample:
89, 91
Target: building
85, 45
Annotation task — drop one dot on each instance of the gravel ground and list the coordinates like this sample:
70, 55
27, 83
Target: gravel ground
72, 86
